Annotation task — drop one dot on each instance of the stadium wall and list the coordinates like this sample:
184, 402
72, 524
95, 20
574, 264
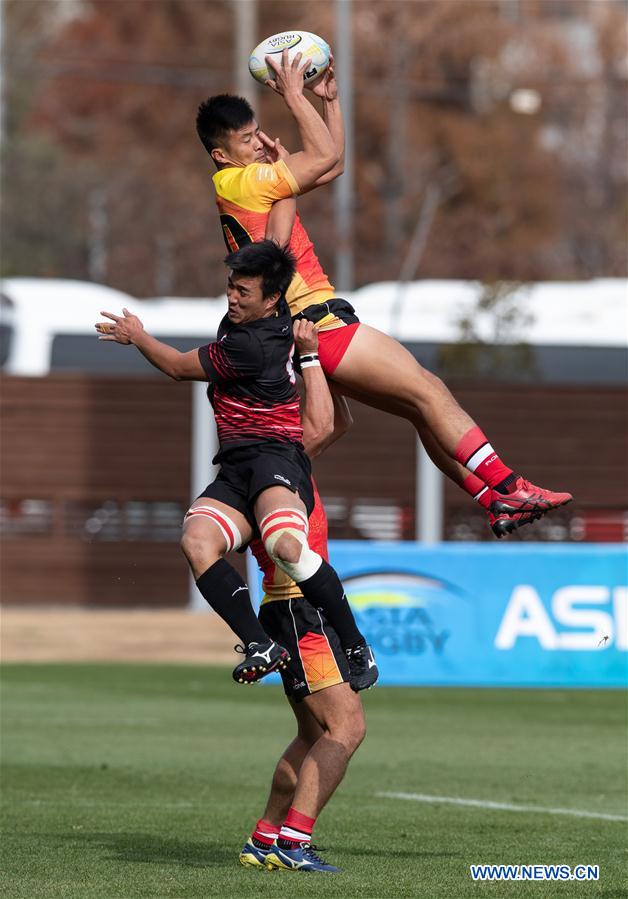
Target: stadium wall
94, 479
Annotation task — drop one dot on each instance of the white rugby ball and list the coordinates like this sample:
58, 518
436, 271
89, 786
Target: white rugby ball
309, 45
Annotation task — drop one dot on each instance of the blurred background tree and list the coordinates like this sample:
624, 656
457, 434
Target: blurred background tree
512, 111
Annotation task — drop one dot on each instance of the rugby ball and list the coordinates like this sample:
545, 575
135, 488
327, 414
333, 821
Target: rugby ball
309, 45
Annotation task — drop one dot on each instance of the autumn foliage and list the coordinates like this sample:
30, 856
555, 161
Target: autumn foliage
104, 176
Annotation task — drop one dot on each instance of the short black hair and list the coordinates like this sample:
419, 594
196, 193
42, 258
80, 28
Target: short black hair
219, 115
266, 258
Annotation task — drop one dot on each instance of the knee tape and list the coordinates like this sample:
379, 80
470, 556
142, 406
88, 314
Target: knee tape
293, 522
229, 530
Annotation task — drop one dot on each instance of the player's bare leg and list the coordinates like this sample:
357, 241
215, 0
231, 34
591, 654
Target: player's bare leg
288, 546
501, 522
210, 530
204, 539
338, 711
449, 467
286, 777
289, 765
381, 373
380, 368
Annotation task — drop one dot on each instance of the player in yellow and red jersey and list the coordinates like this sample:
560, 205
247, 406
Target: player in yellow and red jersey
255, 177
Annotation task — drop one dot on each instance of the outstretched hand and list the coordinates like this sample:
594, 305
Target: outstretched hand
288, 78
124, 330
305, 336
325, 87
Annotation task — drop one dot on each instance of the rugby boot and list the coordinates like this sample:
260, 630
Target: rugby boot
527, 503
505, 523
253, 856
302, 858
259, 660
363, 671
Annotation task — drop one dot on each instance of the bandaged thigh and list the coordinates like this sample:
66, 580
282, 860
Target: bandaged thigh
294, 523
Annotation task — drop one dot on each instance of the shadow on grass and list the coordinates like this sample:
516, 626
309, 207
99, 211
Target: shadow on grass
152, 849
389, 852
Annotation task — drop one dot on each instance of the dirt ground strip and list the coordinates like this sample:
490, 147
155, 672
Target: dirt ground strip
78, 635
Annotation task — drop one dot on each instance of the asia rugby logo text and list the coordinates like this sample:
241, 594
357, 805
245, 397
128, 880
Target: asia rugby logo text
283, 42
403, 613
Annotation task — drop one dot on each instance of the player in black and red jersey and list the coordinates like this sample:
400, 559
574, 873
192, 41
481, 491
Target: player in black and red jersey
255, 183
264, 484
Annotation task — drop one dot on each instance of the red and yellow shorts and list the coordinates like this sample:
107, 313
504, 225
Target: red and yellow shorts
337, 324
317, 660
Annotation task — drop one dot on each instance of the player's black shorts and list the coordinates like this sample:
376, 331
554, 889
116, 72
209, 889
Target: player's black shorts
317, 660
247, 470
342, 309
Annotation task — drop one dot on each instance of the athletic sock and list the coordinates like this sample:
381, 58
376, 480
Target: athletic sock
478, 490
478, 456
264, 834
225, 591
296, 829
324, 591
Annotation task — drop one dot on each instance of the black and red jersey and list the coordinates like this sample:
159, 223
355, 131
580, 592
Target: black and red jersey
252, 383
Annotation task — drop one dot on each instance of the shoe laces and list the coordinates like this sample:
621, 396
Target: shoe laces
310, 850
249, 650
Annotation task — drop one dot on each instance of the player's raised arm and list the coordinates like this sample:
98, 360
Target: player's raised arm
127, 329
317, 408
342, 416
326, 88
319, 154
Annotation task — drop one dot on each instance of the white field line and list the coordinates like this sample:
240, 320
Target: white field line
101, 803
502, 806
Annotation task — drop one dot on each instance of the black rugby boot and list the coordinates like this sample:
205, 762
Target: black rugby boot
363, 672
259, 660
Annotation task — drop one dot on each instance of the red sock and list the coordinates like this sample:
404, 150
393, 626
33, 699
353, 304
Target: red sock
297, 828
478, 490
476, 453
265, 832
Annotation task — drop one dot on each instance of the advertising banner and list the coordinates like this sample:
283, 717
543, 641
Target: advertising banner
527, 615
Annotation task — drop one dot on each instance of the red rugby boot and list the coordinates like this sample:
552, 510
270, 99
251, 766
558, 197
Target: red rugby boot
526, 503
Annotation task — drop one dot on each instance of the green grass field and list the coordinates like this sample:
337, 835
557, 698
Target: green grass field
124, 781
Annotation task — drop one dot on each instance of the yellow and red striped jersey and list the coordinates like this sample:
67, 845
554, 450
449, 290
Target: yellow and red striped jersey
244, 197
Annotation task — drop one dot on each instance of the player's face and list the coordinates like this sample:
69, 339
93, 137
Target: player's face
246, 300
244, 145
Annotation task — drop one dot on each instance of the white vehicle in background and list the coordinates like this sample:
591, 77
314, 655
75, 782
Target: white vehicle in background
577, 330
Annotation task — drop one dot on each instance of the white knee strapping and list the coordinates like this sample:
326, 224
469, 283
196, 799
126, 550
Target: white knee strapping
229, 529
293, 522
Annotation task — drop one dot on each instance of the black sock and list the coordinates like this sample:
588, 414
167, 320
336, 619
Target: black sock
287, 844
259, 844
227, 594
324, 591
507, 485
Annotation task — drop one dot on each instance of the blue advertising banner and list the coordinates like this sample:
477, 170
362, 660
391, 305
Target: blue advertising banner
527, 615
531, 615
